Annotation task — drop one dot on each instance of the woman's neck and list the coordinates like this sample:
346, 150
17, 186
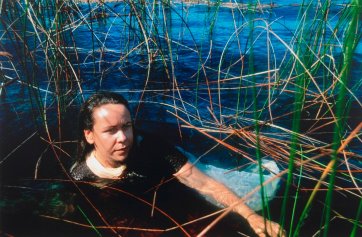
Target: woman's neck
101, 171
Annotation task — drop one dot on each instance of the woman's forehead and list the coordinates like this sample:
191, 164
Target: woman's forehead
112, 111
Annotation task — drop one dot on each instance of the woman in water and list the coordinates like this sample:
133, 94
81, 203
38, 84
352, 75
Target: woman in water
112, 151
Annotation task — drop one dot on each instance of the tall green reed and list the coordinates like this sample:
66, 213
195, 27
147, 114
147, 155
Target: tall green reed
352, 36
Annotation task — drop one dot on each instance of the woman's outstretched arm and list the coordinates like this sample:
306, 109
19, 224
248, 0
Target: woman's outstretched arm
194, 178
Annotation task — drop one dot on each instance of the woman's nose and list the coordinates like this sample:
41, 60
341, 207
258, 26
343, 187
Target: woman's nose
121, 136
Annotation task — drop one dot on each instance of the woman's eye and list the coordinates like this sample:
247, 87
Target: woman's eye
127, 126
112, 130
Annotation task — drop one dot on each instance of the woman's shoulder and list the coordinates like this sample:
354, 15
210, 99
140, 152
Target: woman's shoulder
80, 171
151, 149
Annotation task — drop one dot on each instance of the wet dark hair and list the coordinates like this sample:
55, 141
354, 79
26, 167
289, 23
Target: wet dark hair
86, 120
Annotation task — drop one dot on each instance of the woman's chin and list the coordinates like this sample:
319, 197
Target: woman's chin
120, 158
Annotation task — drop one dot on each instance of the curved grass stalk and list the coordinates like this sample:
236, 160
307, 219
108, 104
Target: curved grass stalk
306, 71
143, 31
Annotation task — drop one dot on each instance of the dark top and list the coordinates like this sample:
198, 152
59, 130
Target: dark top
151, 161
147, 183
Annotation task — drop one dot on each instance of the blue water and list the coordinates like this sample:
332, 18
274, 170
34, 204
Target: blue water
210, 51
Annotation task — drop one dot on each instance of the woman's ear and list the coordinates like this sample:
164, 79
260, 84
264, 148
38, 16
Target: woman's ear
88, 134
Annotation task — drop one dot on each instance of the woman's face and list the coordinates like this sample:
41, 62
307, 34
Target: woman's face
112, 134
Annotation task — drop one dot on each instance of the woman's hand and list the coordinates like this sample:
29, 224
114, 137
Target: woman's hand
263, 227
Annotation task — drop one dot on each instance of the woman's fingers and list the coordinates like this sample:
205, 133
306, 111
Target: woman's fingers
268, 228
274, 229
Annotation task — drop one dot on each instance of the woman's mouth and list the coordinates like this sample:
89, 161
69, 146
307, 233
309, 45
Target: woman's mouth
121, 150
